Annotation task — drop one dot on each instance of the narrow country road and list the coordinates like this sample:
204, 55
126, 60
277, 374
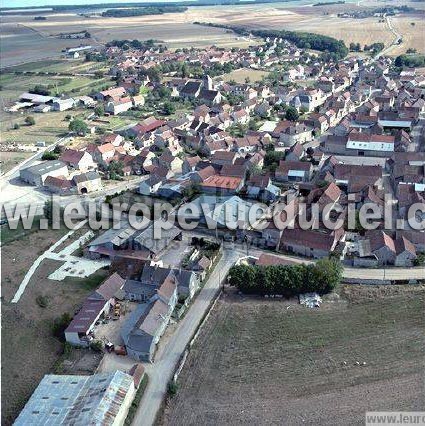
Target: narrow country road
168, 355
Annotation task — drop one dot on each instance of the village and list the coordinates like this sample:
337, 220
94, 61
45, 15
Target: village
310, 131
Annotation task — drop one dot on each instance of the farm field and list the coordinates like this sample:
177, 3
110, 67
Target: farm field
27, 40
31, 350
260, 361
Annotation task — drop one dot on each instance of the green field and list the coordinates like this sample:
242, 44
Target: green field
60, 66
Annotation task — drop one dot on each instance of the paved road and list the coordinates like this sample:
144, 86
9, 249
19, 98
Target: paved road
169, 354
388, 273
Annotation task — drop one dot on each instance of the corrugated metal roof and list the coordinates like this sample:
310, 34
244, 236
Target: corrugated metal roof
76, 400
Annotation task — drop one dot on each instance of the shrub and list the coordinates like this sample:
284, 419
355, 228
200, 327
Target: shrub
96, 346
172, 388
30, 120
49, 155
59, 325
42, 301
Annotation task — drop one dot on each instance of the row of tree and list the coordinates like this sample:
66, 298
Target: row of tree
142, 11
333, 47
287, 280
411, 61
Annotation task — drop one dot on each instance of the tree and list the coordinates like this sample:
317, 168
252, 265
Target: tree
96, 346
49, 155
169, 108
99, 110
291, 114
30, 120
78, 126
59, 325
116, 169
327, 274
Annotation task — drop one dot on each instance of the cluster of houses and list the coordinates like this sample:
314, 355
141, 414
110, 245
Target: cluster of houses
140, 277
359, 135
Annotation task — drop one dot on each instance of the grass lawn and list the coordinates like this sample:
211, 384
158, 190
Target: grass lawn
241, 74
262, 361
10, 159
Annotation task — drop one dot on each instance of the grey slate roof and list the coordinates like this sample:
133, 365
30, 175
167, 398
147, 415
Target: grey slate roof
156, 244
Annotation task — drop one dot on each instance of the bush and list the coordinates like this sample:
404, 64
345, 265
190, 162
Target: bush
16, 126
60, 324
96, 346
30, 120
172, 388
42, 301
49, 155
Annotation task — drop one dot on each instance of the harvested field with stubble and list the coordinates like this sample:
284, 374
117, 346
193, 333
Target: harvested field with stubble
260, 361
27, 40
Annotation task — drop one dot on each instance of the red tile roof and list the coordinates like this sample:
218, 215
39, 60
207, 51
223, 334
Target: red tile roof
223, 182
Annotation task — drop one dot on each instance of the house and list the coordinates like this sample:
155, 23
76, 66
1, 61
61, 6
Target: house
219, 211
37, 174
147, 125
63, 104
111, 138
272, 233
112, 93
295, 152
117, 106
240, 116
382, 246
103, 154
220, 158
170, 162
110, 240
88, 182
59, 185
187, 282
150, 185
154, 275
156, 237
210, 97
224, 185
355, 177
191, 90
147, 322
78, 160
203, 174
99, 399
405, 252
260, 187
298, 132
294, 171
80, 330
190, 163
310, 243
